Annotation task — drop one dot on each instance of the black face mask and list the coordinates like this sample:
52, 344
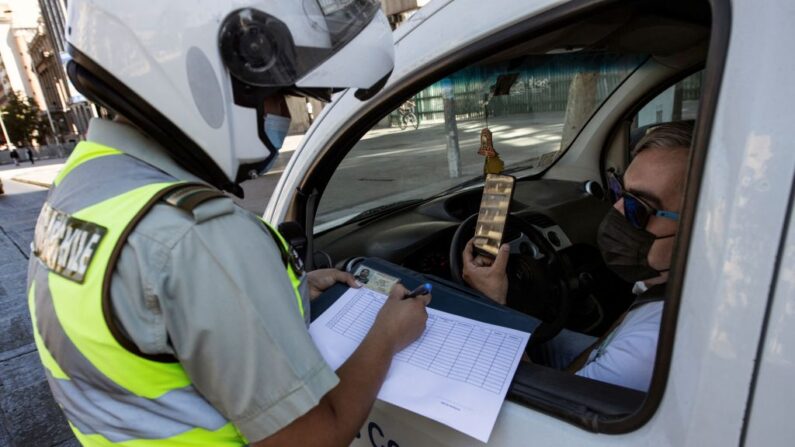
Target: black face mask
625, 249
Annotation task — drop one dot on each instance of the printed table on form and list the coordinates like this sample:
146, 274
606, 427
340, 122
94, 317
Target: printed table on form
457, 372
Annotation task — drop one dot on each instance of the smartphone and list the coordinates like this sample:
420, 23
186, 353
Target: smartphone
494, 208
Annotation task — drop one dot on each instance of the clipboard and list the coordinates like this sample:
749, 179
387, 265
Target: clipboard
447, 296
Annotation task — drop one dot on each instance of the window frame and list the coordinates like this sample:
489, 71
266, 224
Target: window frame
623, 127
710, 92
304, 206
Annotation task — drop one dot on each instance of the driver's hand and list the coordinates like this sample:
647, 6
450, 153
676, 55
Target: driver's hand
321, 279
487, 276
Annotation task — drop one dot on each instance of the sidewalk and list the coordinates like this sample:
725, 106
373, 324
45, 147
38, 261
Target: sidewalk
28, 414
43, 173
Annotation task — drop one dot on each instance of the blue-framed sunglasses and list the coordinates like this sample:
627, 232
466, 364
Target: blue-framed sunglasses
636, 210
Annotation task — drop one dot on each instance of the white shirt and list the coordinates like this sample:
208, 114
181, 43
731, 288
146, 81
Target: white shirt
626, 356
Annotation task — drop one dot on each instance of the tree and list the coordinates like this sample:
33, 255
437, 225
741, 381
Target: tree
22, 119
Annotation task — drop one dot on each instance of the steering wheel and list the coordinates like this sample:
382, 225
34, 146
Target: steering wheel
537, 275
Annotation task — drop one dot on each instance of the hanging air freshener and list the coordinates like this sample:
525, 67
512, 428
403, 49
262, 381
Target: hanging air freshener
493, 165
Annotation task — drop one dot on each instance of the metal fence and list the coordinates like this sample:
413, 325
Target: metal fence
542, 85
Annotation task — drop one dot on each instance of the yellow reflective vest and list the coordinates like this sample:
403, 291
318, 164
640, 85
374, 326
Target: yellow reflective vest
111, 393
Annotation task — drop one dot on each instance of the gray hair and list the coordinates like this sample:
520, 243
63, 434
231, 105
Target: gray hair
669, 135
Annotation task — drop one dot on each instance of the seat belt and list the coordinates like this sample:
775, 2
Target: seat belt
654, 294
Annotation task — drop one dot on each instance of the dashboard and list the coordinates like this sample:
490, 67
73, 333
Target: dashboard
419, 238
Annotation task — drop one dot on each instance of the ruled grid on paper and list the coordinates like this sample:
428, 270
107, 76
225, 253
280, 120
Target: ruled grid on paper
457, 372
458, 350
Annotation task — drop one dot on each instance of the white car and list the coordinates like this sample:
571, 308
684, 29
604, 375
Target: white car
566, 87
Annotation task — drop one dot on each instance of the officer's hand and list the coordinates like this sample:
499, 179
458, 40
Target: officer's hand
402, 320
488, 276
321, 279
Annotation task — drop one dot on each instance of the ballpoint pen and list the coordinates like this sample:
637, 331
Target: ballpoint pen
424, 289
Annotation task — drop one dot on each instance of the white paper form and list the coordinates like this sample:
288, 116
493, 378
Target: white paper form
456, 373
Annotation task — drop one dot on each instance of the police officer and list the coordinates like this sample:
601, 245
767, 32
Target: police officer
163, 313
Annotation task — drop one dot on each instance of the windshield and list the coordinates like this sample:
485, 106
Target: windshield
533, 107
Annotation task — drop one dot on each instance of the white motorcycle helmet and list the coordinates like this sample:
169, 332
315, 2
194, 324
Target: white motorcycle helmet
194, 74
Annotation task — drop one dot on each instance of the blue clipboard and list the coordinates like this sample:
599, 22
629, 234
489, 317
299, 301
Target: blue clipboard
447, 297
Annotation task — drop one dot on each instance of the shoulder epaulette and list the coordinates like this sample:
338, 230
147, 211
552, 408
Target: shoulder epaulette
189, 197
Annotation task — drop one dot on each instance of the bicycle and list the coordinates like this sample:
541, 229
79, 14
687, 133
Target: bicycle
408, 116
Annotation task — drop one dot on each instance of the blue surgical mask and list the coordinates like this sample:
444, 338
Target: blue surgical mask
276, 127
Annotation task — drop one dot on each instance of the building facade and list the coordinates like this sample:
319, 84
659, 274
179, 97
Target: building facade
64, 123
17, 27
68, 109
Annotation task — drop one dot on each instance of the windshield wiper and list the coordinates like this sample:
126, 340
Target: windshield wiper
521, 167
473, 181
397, 206
379, 210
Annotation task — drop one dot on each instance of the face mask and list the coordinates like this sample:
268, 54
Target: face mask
276, 127
625, 249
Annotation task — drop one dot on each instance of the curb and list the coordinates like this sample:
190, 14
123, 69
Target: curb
31, 182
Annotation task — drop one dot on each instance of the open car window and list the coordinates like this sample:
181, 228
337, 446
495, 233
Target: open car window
677, 103
403, 189
533, 104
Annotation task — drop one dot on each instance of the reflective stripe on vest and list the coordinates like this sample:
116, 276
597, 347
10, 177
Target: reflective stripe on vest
108, 394
294, 265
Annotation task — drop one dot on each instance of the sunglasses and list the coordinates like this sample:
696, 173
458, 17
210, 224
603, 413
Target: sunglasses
636, 210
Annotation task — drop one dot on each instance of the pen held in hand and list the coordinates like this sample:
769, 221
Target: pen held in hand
424, 289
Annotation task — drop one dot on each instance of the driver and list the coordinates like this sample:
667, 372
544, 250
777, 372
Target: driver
636, 239
164, 314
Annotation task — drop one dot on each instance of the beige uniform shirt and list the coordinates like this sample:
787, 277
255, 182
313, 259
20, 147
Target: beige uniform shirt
211, 289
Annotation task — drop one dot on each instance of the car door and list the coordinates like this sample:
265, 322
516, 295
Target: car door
772, 394
737, 196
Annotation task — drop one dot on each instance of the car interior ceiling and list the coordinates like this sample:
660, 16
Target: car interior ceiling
419, 237
651, 28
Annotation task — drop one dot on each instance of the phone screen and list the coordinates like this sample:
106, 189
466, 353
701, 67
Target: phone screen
494, 208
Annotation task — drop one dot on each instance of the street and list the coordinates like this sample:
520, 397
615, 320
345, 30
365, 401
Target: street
31, 415
389, 165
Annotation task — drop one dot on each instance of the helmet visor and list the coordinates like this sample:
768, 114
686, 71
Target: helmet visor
344, 19
277, 48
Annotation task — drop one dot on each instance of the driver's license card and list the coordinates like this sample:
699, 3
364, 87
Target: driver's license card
375, 280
